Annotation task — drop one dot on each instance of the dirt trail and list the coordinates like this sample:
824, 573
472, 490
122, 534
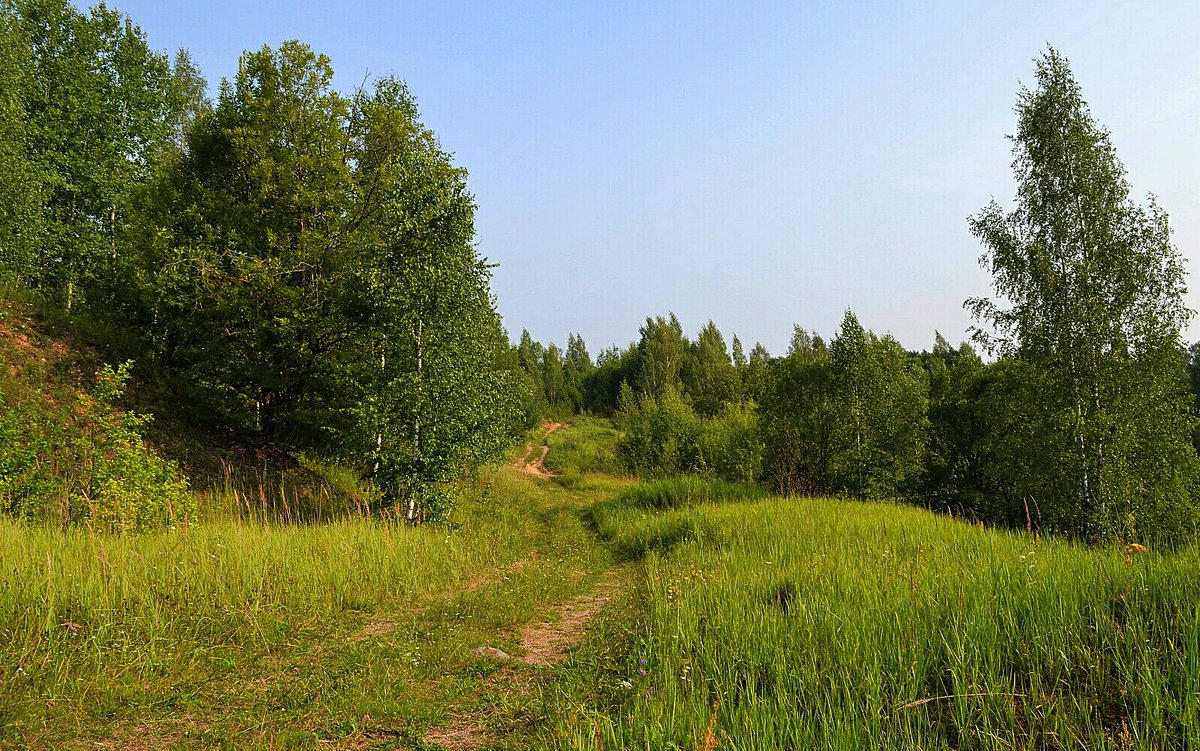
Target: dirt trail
545, 643
537, 467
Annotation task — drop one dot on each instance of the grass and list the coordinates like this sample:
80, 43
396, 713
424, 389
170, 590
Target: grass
587, 447
752, 622
812, 623
241, 634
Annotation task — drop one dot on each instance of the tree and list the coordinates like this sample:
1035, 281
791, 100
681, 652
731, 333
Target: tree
798, 413
879, 438
954, 464
20, 210
438, 403
708, 375
739, 355
1094, 288
530, 354
577, 366
661, 352
754, 377
552, 376
614, 368
99, 116
251, 242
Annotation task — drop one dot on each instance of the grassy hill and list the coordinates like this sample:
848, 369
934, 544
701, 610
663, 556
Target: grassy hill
816, 623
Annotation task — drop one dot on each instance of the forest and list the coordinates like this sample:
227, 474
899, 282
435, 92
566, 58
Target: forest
267, 469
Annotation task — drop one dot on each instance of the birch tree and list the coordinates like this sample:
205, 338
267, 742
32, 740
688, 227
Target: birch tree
437, 404
1089, 293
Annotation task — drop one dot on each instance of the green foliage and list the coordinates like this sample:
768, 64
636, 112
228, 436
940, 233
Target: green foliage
798, 412
953, 464
731, 446
530, 355
20, 216
665, 437
709, 376
577, 367
97, 106
754, 376
1095, 288
435, 401
661, 352
307, 267
848, 419
602, 387
879, 436
86, 462
251, 278
659, 437
553, 380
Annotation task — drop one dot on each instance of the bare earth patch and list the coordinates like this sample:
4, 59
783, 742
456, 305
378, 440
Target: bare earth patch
547, 642
537, 467
460, 735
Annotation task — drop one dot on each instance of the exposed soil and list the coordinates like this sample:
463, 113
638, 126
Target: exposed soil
537, 467
460, 735
547, 642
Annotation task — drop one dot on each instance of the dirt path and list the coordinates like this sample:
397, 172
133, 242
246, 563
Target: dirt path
547, 642
544, 643
537, 467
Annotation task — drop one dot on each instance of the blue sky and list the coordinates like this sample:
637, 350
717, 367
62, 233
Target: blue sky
759, 164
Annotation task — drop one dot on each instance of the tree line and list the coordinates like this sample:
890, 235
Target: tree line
1078, 419
299, 262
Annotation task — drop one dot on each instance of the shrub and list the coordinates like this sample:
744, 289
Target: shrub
730, 444
660, 437
86, 463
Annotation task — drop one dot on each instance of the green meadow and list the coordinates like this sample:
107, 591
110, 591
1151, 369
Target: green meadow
744, 621
815, 623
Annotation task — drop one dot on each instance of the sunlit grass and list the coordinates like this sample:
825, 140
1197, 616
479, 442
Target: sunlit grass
94, 625
588, 446
814, 623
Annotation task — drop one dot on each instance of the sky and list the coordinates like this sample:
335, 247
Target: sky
757, 164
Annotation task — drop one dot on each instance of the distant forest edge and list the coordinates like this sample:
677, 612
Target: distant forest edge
1083, 421
297, 266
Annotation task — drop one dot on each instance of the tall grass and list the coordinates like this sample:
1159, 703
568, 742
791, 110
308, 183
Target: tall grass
802, 624
587, 446
97, 621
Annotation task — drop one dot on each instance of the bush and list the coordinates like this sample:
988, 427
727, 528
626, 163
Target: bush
730, 444
664, 437
86, 463
660, 437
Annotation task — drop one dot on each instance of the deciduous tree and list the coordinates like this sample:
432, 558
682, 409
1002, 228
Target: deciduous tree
1094, 291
